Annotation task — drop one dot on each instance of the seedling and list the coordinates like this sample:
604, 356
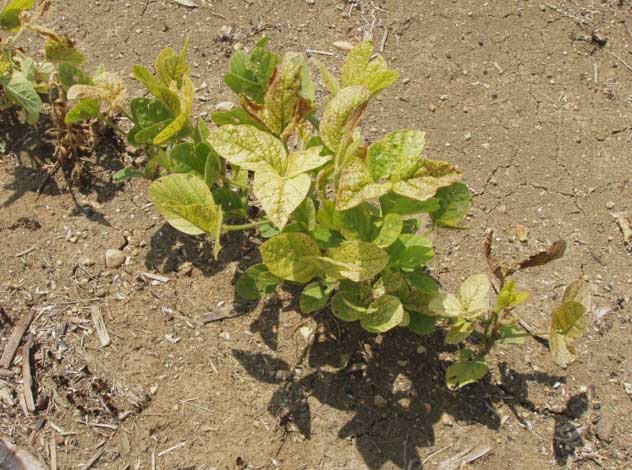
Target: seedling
343, 218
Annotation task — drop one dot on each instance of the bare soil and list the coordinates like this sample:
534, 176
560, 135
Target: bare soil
518, 93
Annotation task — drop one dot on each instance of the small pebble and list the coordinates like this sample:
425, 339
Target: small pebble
114, 258
380, 401
610, 205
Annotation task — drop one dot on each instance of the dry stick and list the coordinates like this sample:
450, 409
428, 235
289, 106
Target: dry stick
93, 460
620, 60
99, 325
27, 379
14, 341
171, 449
53, 455
384, 38
315, 51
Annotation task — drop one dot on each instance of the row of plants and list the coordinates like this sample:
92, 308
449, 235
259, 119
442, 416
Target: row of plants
349, 220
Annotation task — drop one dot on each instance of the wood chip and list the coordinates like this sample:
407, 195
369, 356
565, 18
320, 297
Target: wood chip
27, 378
521, 232
156, 277
624, 220
14, 341
187, 3
99, 325
53, 455
220, 313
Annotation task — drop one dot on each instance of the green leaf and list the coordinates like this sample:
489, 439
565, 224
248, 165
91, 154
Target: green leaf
388, 313
461, 330
61, 49
249, 147
567, 326
235, 116
423, 178
10, 15
395, 150
182, 119
284, 253
70, 75
345, 307
186, 202
83, 110
512, 335
21, 92
359, 69
468, 370
509, 297
390, 230
250, 73
356, 186
304, 161
125, 174
305, 214
454, 201
422, 282
163, 93
403, 205
202, 132
256, 282
172, 67
230, 201
150, 118
368, 259
410, 251
330, 82
421, 324
280, 196
342, 114
314, 297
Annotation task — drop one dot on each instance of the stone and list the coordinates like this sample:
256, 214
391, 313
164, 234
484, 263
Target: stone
114, 258
380, 401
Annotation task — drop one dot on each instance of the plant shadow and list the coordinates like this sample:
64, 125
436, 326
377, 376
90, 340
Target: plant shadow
393, 383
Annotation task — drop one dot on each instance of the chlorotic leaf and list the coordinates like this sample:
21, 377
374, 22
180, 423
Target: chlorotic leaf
346, 309
280, 196
474, 295
359, 69
423, 178
186, 202
368, 258
60, 49
511, 335
388, 313
567, 326
510, 297
393, 151
454, 201
579, 292
465, 372
304, 161
342, 114
356, 186
256, 283
460, 330
249, 147
445, 305
182, 119
162, 92
329, 80
284, 253
172, 67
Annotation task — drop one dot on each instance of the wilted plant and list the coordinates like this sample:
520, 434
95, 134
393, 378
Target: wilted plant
342, 217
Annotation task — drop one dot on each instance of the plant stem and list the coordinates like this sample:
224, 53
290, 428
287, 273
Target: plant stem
233, 228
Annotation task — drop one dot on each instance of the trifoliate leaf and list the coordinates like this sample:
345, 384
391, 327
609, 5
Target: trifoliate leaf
284, 253
162, 92
186, 202
249, 147
172, 67
388, 313
346, 309
186, 96
369, 259
359, 69
510, 297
